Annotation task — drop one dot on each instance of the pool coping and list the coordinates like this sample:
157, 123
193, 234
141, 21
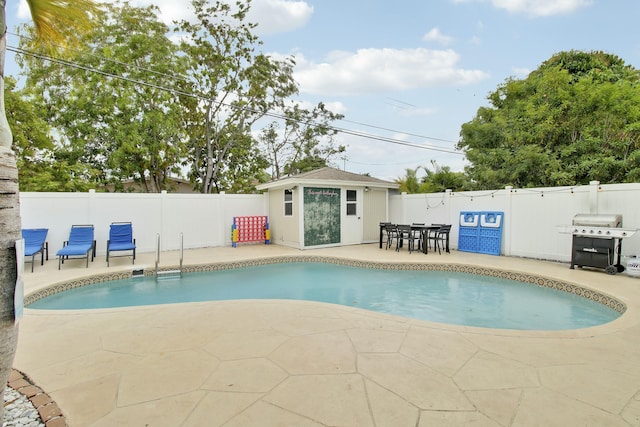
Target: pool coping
529, 278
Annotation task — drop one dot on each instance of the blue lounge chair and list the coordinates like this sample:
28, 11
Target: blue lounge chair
35, 243
80, 244
121, 239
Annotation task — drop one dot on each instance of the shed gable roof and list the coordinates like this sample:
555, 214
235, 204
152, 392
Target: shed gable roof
328, 174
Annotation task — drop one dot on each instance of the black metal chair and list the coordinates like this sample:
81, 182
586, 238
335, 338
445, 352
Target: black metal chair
410, 235
391, 233
441, 237
418, 229
431, 234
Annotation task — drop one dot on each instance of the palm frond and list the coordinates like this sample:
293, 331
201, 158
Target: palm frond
62, 22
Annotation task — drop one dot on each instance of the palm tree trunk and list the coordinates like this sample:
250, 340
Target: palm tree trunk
10, 228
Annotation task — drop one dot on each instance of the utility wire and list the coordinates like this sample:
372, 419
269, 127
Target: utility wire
102, 58
405, 163
359, 134
398, 131
185, 78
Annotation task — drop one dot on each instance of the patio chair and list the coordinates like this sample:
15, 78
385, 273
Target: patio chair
411, 235
35, 243
418, 234
431, 232
80, 244
391, 232
121, 239
441, 237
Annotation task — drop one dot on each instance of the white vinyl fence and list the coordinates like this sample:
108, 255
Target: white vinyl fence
204, 219
531, 216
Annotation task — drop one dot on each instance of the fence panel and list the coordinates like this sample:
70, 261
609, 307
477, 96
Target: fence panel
531, 216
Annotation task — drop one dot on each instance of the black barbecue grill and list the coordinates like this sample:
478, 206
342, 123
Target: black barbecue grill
597, 241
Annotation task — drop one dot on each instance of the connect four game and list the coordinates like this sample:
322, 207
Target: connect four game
250, 229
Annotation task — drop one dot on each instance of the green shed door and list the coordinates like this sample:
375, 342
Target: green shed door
321, 216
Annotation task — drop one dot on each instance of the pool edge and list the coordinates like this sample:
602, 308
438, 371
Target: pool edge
534, 279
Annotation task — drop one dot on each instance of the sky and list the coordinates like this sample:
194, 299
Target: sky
407, 74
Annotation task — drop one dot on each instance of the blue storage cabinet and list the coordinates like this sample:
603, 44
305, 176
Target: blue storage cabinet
481, 232
469, 231
490, 236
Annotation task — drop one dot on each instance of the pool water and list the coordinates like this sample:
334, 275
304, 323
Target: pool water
447, 297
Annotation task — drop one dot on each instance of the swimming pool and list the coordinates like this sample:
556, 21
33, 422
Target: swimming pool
438, 296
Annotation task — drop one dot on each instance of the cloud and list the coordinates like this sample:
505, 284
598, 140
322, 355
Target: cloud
170, 10
435, 35
279, 16
535, 7
380, 70
272, 16
541, 7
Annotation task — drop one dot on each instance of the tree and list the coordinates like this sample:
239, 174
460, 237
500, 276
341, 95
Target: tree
573, 120
442, 178
116, 110
55, 21
31, 142
438, 180
40, 166
600, 65
244, 167
236, 87
410, 183
305, 143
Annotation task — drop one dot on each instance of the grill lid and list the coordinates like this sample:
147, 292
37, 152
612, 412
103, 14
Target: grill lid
598, 220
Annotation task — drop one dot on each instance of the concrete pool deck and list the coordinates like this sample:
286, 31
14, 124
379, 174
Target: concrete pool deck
298, 363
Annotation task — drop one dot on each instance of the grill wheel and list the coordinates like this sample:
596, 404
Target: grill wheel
611, 269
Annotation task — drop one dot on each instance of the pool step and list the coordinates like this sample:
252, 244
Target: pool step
168, 274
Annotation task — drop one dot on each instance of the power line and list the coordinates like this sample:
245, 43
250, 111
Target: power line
346, 131
102, 58
398, 131
185, 78
275, 115
405, 163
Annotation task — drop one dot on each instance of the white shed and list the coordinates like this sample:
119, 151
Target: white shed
327, 207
